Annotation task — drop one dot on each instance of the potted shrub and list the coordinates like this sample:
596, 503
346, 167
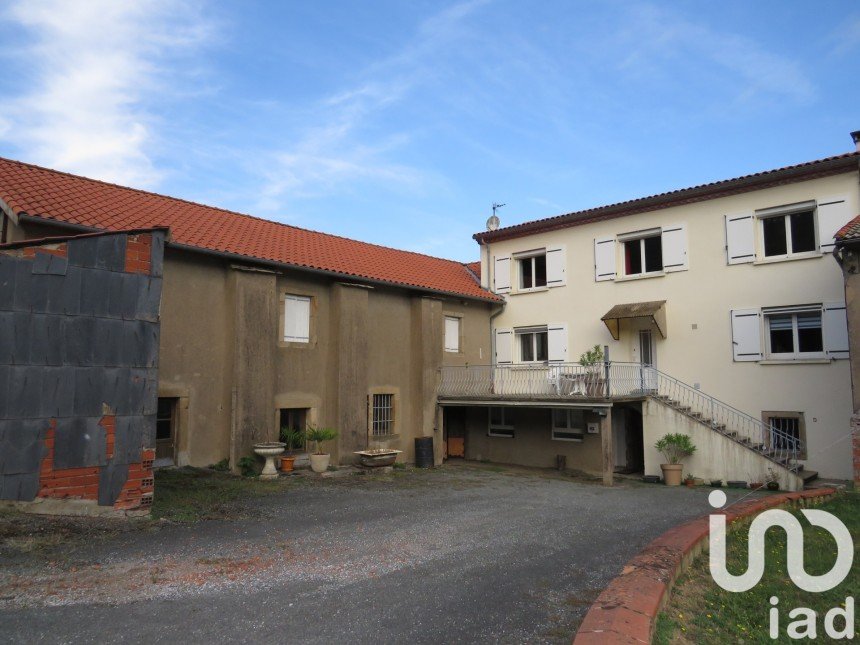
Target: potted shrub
592, 361
293, 440
689, 481
772, 479
674, 446
757, 483
319, 459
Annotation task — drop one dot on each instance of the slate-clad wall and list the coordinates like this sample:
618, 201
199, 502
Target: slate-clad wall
79, 338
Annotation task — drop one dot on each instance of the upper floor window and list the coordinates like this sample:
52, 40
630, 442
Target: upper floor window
794, 333
788, 234
643, 255
533, 344
297, 318
651, 252
532, 271
452, 334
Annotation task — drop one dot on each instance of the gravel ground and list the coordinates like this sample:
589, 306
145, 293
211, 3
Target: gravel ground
460, 554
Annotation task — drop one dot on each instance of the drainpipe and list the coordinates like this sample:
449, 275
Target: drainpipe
3, 229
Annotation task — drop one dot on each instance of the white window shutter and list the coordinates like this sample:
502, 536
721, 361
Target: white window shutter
297, 319
833, 214
502, 274
835, 327
504, 346
740, 238
452, 334
746, 334
604, 259
556, 273
675, 248
557, 341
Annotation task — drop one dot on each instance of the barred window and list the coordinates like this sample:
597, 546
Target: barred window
383, 414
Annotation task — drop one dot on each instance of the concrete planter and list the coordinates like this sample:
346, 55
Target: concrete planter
672, 474
269, 451
319, 463
377, 458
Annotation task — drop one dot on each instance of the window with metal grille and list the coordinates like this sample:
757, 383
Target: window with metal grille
787, 431
382, 419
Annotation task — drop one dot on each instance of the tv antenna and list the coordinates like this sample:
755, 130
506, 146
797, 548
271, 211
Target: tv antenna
493, 222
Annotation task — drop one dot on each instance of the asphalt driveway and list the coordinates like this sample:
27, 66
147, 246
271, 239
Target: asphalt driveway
461, 554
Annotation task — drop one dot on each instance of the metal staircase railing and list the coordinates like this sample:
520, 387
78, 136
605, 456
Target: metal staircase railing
636, 379
614, 379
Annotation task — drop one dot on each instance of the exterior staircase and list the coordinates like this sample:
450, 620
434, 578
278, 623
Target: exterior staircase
771, 444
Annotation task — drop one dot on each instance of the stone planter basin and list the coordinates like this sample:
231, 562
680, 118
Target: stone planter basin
269, 450
378, 457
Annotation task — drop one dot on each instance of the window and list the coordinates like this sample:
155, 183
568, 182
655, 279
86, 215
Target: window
789, 233
382, 415
794, 333
643, 255
533, 344
165, 427
532, 271
788, 431
452, 334
294, 419
501, 423
297, 319
568, 425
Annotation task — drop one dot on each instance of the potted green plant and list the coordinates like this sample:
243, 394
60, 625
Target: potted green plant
592, 361
772, 479
320, 459
689, 480
674, 447
293, 440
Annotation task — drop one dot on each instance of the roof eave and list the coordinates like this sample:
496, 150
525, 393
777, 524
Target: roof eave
794, 174
491, 299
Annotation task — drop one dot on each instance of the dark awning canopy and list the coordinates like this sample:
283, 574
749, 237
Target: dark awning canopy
655, 310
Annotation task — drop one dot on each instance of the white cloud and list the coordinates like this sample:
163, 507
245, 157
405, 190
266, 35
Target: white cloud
331, 153
95, 70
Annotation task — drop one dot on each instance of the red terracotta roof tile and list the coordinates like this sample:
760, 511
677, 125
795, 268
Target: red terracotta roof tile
53, 195
851, 231
474, 267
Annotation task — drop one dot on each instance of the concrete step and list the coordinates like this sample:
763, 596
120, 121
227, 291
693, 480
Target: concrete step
807, 475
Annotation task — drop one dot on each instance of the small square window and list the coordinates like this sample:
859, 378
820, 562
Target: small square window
501, 422
533, 344
794, 334
787, 235
787, 431
643, 255
568, 425
532, 271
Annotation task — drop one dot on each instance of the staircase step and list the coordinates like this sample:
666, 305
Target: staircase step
807, 475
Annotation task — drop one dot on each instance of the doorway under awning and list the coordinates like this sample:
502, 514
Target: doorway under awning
654, 310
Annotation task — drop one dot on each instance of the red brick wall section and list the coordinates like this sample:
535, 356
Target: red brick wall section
138, 253
59, 250
83, 483
855, 441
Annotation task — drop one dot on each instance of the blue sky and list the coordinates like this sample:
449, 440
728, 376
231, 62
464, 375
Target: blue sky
399, 123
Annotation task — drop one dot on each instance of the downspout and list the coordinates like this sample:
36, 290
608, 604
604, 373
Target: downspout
3, 229
494, 314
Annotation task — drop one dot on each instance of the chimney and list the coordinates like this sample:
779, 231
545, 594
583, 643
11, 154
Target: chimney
856, 136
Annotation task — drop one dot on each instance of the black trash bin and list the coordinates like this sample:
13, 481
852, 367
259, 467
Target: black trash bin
424, 452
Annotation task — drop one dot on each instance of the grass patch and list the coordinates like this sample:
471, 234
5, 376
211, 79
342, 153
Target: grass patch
191, 495
702, 612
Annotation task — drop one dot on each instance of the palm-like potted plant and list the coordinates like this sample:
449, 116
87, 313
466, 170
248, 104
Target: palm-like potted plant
293, 440
674, 446
320, 459
592, 361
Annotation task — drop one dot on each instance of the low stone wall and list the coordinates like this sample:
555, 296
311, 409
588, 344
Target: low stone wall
626, 611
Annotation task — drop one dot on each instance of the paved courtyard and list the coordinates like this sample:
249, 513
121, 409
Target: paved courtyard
461, 554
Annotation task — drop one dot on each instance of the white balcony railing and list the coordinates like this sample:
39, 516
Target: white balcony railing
617, 380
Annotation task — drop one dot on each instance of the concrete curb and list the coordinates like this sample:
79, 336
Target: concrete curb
626, 611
